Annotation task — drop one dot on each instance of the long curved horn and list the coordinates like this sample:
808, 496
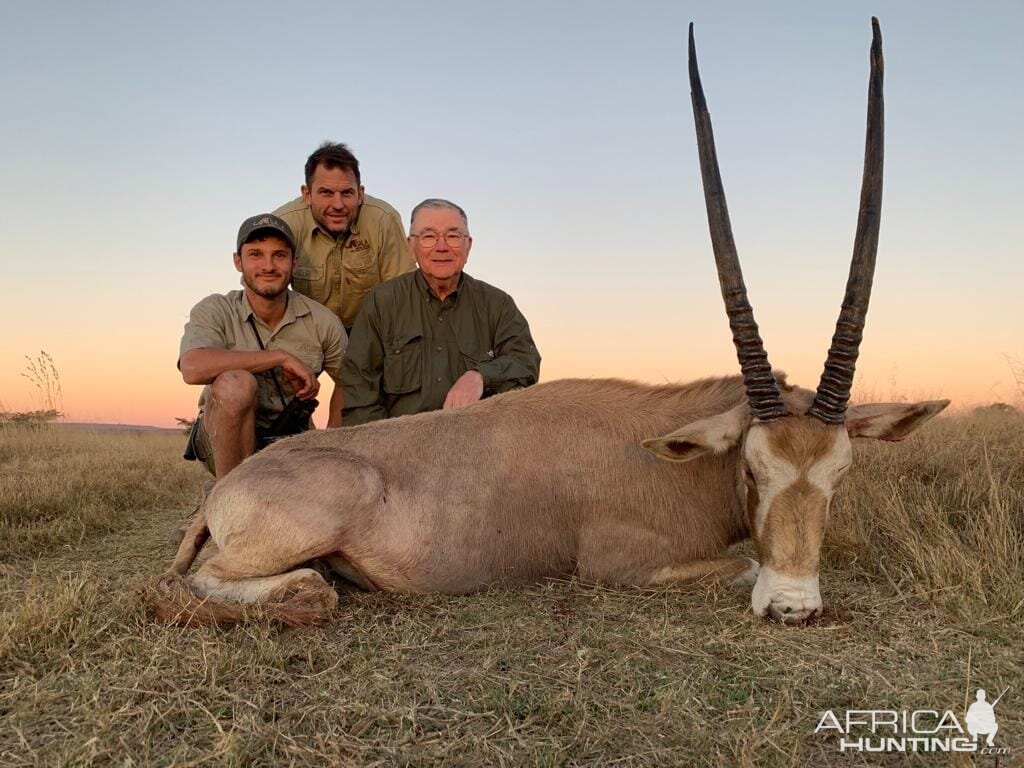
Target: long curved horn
837, 379
762, 389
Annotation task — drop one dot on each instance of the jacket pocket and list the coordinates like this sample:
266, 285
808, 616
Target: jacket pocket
473, 354
403, 365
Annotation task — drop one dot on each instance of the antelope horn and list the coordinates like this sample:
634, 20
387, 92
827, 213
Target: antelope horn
834, 389
762, 389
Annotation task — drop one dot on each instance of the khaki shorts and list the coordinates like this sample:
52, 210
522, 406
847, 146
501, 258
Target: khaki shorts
200, 446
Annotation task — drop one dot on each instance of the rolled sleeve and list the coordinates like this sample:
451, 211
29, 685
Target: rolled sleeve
335, 343
205, 327
516, 361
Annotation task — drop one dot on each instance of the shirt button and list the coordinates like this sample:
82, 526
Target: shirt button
440, 348
438, 379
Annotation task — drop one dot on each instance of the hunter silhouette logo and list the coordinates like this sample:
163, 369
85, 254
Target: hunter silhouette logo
981, 717
919, 730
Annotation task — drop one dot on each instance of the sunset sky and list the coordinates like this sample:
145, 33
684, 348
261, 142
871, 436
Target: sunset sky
137, 136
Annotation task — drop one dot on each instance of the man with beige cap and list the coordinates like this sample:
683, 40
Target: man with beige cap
258, 351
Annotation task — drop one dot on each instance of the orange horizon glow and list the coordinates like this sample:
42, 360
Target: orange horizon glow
152, 396
673, 331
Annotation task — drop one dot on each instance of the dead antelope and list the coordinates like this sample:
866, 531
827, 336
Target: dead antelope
565, 477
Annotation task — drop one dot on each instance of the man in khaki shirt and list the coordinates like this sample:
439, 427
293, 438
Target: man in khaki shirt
347, 241
257, 349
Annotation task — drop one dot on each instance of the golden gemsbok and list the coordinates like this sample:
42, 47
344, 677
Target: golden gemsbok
613, 481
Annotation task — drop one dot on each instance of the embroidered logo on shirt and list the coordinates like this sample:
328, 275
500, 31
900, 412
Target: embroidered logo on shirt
358, 245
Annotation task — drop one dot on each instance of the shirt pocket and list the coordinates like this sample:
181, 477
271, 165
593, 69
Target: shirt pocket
403, 365
360, 274
358, 260
310, 354
307, 279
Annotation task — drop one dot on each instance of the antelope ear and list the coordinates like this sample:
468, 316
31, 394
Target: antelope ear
890, 421
715, 434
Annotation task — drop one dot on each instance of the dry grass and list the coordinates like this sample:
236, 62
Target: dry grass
923, 572
59, 485
942, 514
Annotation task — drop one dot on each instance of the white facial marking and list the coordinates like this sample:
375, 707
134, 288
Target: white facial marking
786, 598
773, 474
825, 473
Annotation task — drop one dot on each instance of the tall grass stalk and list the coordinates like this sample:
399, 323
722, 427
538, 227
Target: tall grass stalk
42, 372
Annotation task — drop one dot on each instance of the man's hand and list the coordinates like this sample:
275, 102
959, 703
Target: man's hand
468, 389
300, 376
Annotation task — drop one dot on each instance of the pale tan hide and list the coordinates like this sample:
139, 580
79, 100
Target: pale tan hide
549, 481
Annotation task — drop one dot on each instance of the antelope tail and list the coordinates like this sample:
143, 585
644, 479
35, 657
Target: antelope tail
173, 601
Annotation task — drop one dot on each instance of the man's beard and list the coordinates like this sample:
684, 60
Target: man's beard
266, 292
334, 233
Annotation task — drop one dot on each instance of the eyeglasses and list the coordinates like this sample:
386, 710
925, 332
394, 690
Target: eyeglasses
429, 239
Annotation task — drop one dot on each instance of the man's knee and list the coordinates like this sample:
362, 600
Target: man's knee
234, 391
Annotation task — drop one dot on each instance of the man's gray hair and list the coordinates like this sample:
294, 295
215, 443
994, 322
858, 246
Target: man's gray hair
438, 202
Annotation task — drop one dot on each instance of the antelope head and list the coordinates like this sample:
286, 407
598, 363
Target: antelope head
793, 452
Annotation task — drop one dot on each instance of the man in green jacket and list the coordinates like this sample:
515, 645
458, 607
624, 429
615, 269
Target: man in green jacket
435, 338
